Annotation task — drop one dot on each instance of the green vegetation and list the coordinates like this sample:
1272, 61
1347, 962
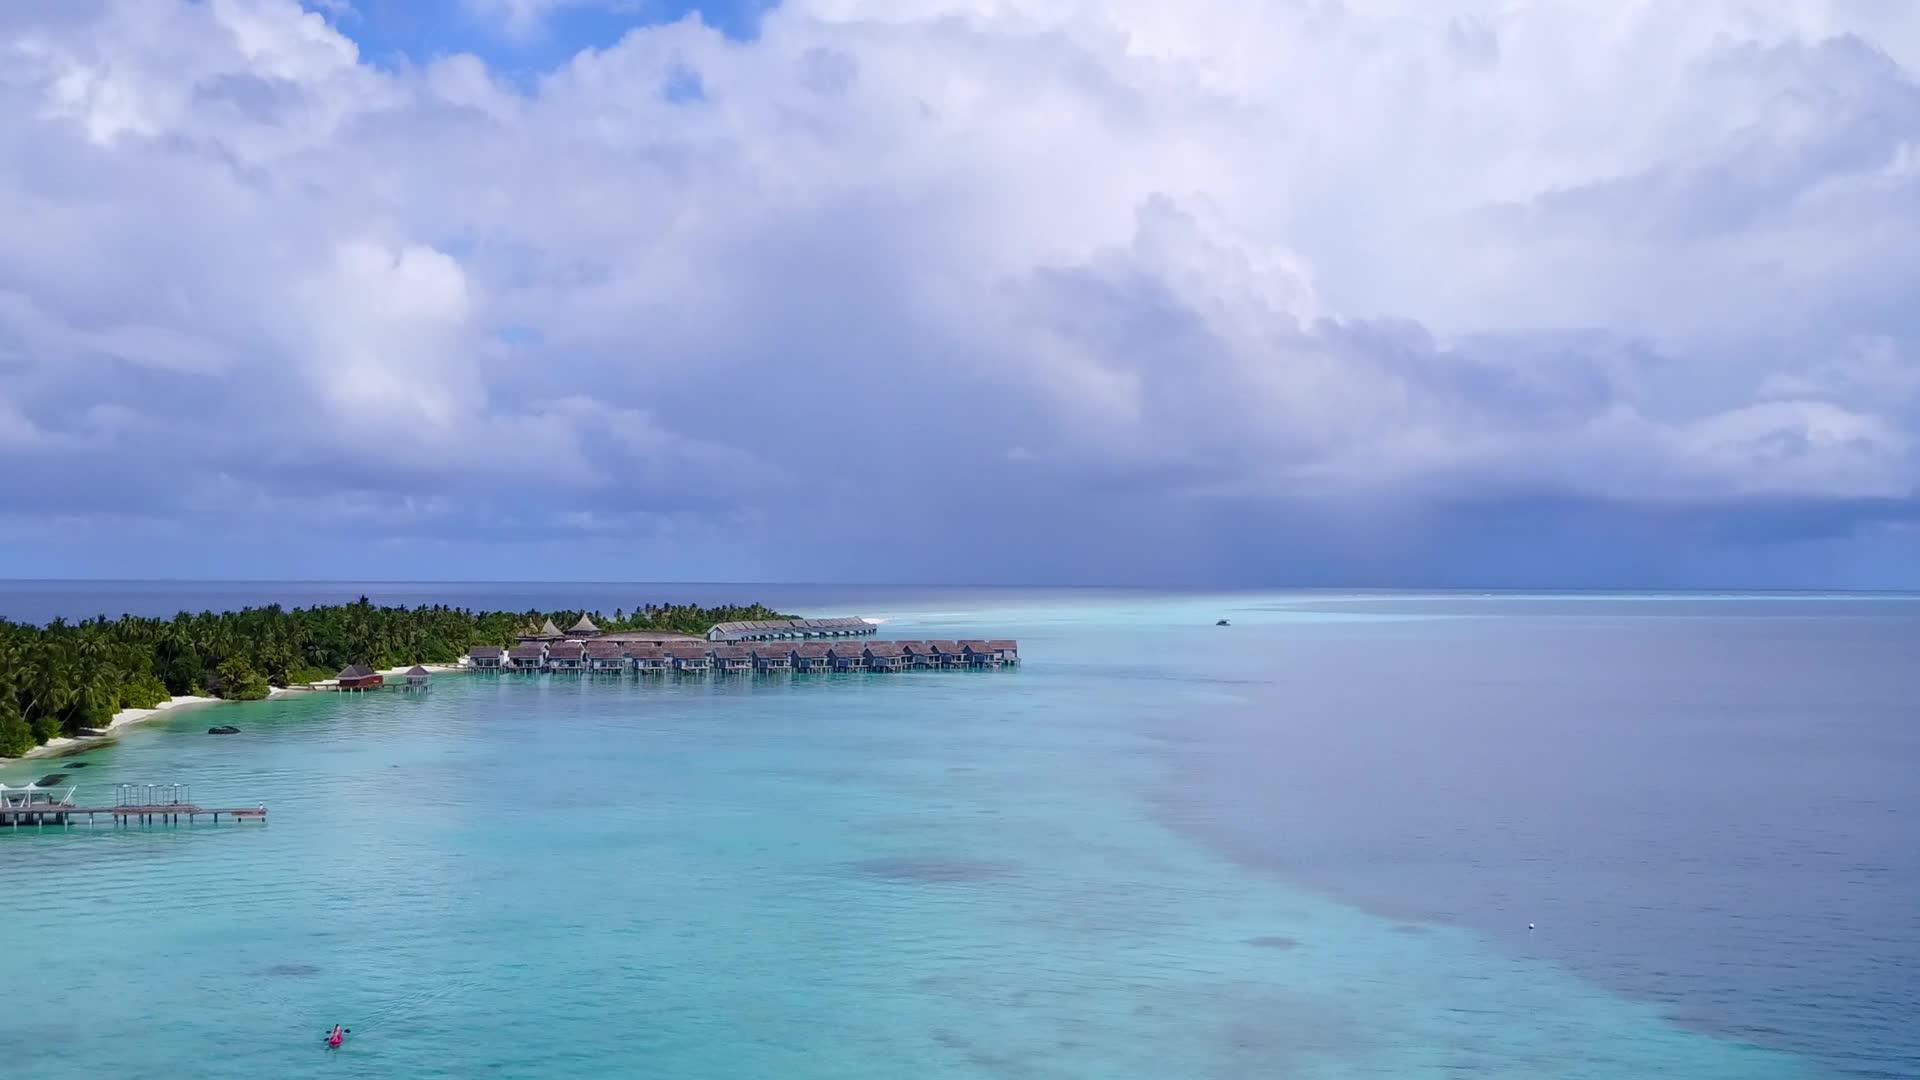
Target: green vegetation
239, 682
64, 677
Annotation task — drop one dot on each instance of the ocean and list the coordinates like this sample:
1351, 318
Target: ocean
1308, 844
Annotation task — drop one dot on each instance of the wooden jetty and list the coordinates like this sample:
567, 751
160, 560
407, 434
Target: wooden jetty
134, 804
163, 814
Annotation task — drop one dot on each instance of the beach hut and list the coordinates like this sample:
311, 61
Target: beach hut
847, 657
732, 659
810, 656
690, 658
649, 659
359, 677
418, 678
886, 656
527, 656
584, 628
607, 658
566, 656
486, 657
947, 654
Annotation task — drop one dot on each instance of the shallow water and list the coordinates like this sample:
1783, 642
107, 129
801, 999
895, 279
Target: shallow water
1304, 845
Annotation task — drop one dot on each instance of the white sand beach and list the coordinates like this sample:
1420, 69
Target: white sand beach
126, 717
120, 719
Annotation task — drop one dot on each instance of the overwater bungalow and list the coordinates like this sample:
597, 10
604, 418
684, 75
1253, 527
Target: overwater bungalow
978, 654
419, 678
486, 657
359, 677
1005, 650
527, 656
566, 656
947, 654
649, 659
919, 654
810, 656
784, 629
690, 658
885, 656
771, 658
649, 637
607, 658
847, 657
732, 659
584, 628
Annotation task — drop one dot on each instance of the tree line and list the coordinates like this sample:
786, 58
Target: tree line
64, 678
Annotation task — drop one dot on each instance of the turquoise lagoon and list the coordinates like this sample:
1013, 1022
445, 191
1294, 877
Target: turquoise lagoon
1306, 845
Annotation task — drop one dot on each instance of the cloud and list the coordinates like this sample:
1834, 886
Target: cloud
1869, 372
994, 273
383, 334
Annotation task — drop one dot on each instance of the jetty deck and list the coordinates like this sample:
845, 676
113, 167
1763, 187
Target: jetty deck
134, 804
163, 814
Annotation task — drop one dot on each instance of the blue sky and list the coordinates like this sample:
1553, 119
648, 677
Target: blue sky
416, 31
1458, 292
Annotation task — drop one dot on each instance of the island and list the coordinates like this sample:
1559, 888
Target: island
66, 679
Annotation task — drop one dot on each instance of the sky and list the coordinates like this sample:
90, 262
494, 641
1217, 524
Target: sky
1465, 293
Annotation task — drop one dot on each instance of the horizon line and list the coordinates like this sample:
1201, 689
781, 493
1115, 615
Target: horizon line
1542, 589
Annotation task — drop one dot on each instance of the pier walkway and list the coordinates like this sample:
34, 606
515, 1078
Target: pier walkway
134, 804
163, 814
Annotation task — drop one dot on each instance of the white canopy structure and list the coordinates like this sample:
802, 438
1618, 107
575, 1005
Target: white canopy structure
36, 794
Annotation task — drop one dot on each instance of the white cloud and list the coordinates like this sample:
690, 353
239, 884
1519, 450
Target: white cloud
1872, 372
46, 339
1655, 250
1794, 447
384, 337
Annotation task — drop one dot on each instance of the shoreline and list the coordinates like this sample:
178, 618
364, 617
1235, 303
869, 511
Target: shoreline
123, 718
128, 717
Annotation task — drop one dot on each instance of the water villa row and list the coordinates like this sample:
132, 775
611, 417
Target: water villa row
726, 632
787, 629
606, 657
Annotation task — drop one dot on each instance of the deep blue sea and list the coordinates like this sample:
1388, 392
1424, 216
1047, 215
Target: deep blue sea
1308, 844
